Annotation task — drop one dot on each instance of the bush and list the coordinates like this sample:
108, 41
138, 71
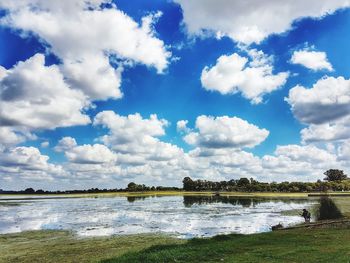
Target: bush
328, 210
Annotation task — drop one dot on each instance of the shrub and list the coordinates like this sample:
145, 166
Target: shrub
328, 209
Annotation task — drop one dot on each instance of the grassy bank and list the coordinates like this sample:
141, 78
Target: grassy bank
62, 246
297, 245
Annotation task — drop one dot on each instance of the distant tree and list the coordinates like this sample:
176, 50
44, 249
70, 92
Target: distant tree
334, 175
29, 191
243, 182
132, 186
188, 184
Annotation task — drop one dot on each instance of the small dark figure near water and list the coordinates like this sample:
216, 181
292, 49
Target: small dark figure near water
307, 216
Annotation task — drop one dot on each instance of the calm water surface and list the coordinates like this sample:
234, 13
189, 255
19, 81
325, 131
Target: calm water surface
182, 216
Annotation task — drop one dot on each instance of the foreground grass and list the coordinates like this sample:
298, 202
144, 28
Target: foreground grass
327, 245
297, 245
62, 246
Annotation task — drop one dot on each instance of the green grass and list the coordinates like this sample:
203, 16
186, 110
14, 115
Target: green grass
297, 245
327, 245
62, 246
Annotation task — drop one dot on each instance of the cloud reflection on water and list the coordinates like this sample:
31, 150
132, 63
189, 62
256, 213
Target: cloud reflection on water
184, 217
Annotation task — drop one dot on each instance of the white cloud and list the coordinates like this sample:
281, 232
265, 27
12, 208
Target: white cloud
127, 129
252, 20
181, 126
297, 163
134, 135
88, 162
9, 137
84, 36
44, 144
331, 131
314, 60
94, 76
90, 154
344, 151
225, 132
65, 144
233, 74
36, 96
327, 100
28, 163
325, 108
308, 153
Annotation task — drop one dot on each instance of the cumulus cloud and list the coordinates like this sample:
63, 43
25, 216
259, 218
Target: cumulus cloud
314, 60
234, 73
344, 151
225, 132
36, 96
10, 137
44, 144
28, 163
85, 154
307, 153
73, 31
331, 131
88, 161
297, 163
133, 134
325, 108
225, 159
65, 144
131, 149
181, 126
327, 100
253, 20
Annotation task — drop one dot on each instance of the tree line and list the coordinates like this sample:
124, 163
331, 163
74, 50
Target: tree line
335, 180
132, 187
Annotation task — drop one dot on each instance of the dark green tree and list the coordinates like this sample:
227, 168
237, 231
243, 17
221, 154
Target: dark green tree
242, 182
132, 186
334, 175
188, 184
29, 191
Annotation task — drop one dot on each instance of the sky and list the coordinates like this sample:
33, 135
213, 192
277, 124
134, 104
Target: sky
99, 93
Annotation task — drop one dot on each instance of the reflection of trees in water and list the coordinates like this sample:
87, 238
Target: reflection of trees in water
132, 199
236, 201
245, 202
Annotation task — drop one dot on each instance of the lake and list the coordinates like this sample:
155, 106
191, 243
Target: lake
180, 216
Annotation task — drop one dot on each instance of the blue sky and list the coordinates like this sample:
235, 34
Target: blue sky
232, 93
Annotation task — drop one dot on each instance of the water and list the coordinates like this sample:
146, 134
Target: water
181, 216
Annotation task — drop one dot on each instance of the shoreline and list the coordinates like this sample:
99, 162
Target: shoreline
174, 193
